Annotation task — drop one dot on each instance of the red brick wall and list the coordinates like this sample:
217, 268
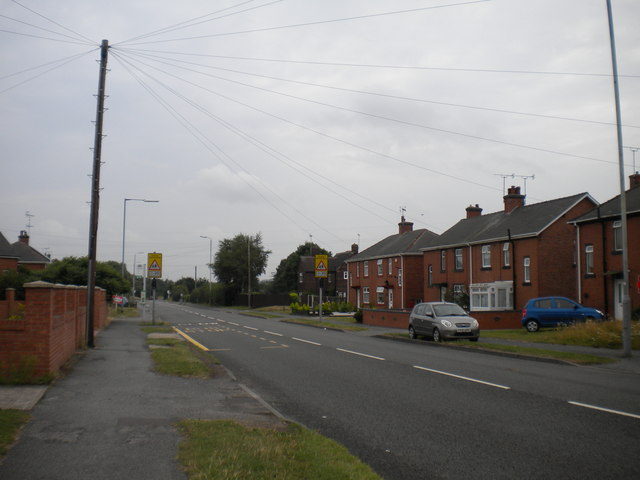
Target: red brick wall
9, 264
386, 318
400, 319
52, 329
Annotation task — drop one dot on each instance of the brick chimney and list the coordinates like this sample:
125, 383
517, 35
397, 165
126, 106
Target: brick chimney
354, 248
634, 180
513, 199
24, 237
474, 211
405, 226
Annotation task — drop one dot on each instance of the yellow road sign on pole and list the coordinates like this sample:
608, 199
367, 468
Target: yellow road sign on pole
154, 262
322, 266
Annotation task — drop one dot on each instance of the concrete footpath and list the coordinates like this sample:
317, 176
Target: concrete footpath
112, 418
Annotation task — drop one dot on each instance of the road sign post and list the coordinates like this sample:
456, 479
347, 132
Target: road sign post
154, 262
321, 272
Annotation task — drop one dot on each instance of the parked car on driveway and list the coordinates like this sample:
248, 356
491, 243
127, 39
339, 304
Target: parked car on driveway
442, 321
556, 311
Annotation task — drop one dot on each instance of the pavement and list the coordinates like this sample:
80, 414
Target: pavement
110, 416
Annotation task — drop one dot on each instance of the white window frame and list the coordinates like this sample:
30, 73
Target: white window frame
588, 259
380, 295
345, 275
399, 277
430, 276
617, 235
365, 295
486, 256
365, 268
380, 267
391, 266
459, 262
506, 254
496, 296
443, 260
526, 265
390, 298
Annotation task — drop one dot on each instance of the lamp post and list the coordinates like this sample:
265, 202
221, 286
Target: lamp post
210, 262
124, 222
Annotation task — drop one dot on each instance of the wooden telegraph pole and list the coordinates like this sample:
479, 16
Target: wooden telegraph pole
95, 193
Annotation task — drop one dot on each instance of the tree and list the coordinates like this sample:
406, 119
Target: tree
286, 277
74, 271
239, 262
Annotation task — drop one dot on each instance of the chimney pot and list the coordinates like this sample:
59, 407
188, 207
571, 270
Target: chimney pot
404, 226
474, 211
354, 248
513, 199
24, 237
634, 180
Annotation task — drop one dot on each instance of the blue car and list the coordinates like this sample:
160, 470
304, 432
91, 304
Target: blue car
556, 311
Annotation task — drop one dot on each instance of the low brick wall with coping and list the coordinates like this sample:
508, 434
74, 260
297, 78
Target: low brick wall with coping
52, 329
400, 318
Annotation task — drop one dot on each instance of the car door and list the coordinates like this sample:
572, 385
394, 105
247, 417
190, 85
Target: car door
417, 319
429, 319
566, 311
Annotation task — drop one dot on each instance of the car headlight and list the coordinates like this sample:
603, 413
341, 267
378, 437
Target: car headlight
600, 313
446, 323
475, 323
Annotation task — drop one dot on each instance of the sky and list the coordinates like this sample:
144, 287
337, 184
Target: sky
303, 120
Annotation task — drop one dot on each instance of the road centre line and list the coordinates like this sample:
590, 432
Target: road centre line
235, 324
361, 354
250, 328
274, 333
602, 409
306, 341
462, 378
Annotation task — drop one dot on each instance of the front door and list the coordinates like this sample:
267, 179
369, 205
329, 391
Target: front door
390, 299
617, 299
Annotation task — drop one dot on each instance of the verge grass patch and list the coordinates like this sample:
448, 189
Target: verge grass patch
578, 358
225, 450
177, 358
326, 324
11, 421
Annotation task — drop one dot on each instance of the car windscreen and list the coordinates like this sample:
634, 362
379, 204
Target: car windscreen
448, 310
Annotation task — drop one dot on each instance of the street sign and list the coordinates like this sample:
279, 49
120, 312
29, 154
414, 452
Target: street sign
117, 299
322, 266
154, 262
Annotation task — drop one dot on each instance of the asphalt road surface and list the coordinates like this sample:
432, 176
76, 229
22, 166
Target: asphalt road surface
418, 411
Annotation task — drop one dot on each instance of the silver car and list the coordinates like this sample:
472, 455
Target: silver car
442, 321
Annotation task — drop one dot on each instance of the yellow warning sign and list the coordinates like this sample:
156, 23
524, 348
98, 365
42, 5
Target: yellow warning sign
154, 262
322, 266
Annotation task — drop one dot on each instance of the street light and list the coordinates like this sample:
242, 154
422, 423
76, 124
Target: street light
124, 221
210, 262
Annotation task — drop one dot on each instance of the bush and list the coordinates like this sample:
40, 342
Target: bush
358, 316
298, 309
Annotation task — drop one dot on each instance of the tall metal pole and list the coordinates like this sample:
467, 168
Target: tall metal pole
124, 224
626, 300
249, 271
95, 193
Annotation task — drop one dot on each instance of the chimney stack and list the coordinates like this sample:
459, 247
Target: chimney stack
634, 180
405, 226
354, 249
474, 211
513, 199
24, 237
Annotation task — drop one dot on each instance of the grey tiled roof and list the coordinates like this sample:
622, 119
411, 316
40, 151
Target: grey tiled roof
6, 250
408, 243
611, 208
28, 254
526, 221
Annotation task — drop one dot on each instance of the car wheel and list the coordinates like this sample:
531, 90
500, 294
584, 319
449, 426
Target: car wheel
532, 326
412, 333
436, 335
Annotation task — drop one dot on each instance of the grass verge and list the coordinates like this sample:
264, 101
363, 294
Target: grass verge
11, 421
178, 358
225, 450
318, 323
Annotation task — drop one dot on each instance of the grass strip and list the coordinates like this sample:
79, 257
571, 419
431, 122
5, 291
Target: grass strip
318, 323
11, 421
578, 358
157, 329
177, 358
226, 450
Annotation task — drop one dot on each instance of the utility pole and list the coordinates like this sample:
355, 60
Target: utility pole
95, 192
626, 299
249, 271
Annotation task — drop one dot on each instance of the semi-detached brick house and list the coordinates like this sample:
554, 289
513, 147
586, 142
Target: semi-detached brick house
389, 274
20, 253
500, 260
599, 239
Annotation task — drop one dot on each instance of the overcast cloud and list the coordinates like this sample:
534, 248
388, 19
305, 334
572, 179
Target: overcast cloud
305, 130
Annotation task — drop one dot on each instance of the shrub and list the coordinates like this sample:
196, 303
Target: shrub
298, 309
358, 316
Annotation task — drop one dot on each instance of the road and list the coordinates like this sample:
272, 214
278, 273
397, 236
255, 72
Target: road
417, 411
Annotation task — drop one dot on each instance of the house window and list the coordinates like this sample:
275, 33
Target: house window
430, 276
300, 275
365, 268
380, 295
458, 253
491, 296
458, 295
390, 298
506, 254
526, 262
486, 256
380, 267
390, 266
399, 277
588, 259
443, 260
357, 269
617, 235
365, 294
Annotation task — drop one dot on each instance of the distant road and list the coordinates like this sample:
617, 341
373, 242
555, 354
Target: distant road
417, 411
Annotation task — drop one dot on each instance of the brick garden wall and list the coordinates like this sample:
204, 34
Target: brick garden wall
52, 329
400, 319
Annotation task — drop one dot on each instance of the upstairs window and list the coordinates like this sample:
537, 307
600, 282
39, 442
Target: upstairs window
379, 263
458, 255
527, 269
390, 266
617, 236
486, 256
365, 268
506, 254
443, 260
588, 259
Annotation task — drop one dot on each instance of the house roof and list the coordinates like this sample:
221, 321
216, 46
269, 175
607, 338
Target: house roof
408, 243
6, 250
28, 254
526, 221
611, 208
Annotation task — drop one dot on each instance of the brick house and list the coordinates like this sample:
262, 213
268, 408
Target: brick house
389, 274
496, 262
335, 284
20, 253
599, 240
